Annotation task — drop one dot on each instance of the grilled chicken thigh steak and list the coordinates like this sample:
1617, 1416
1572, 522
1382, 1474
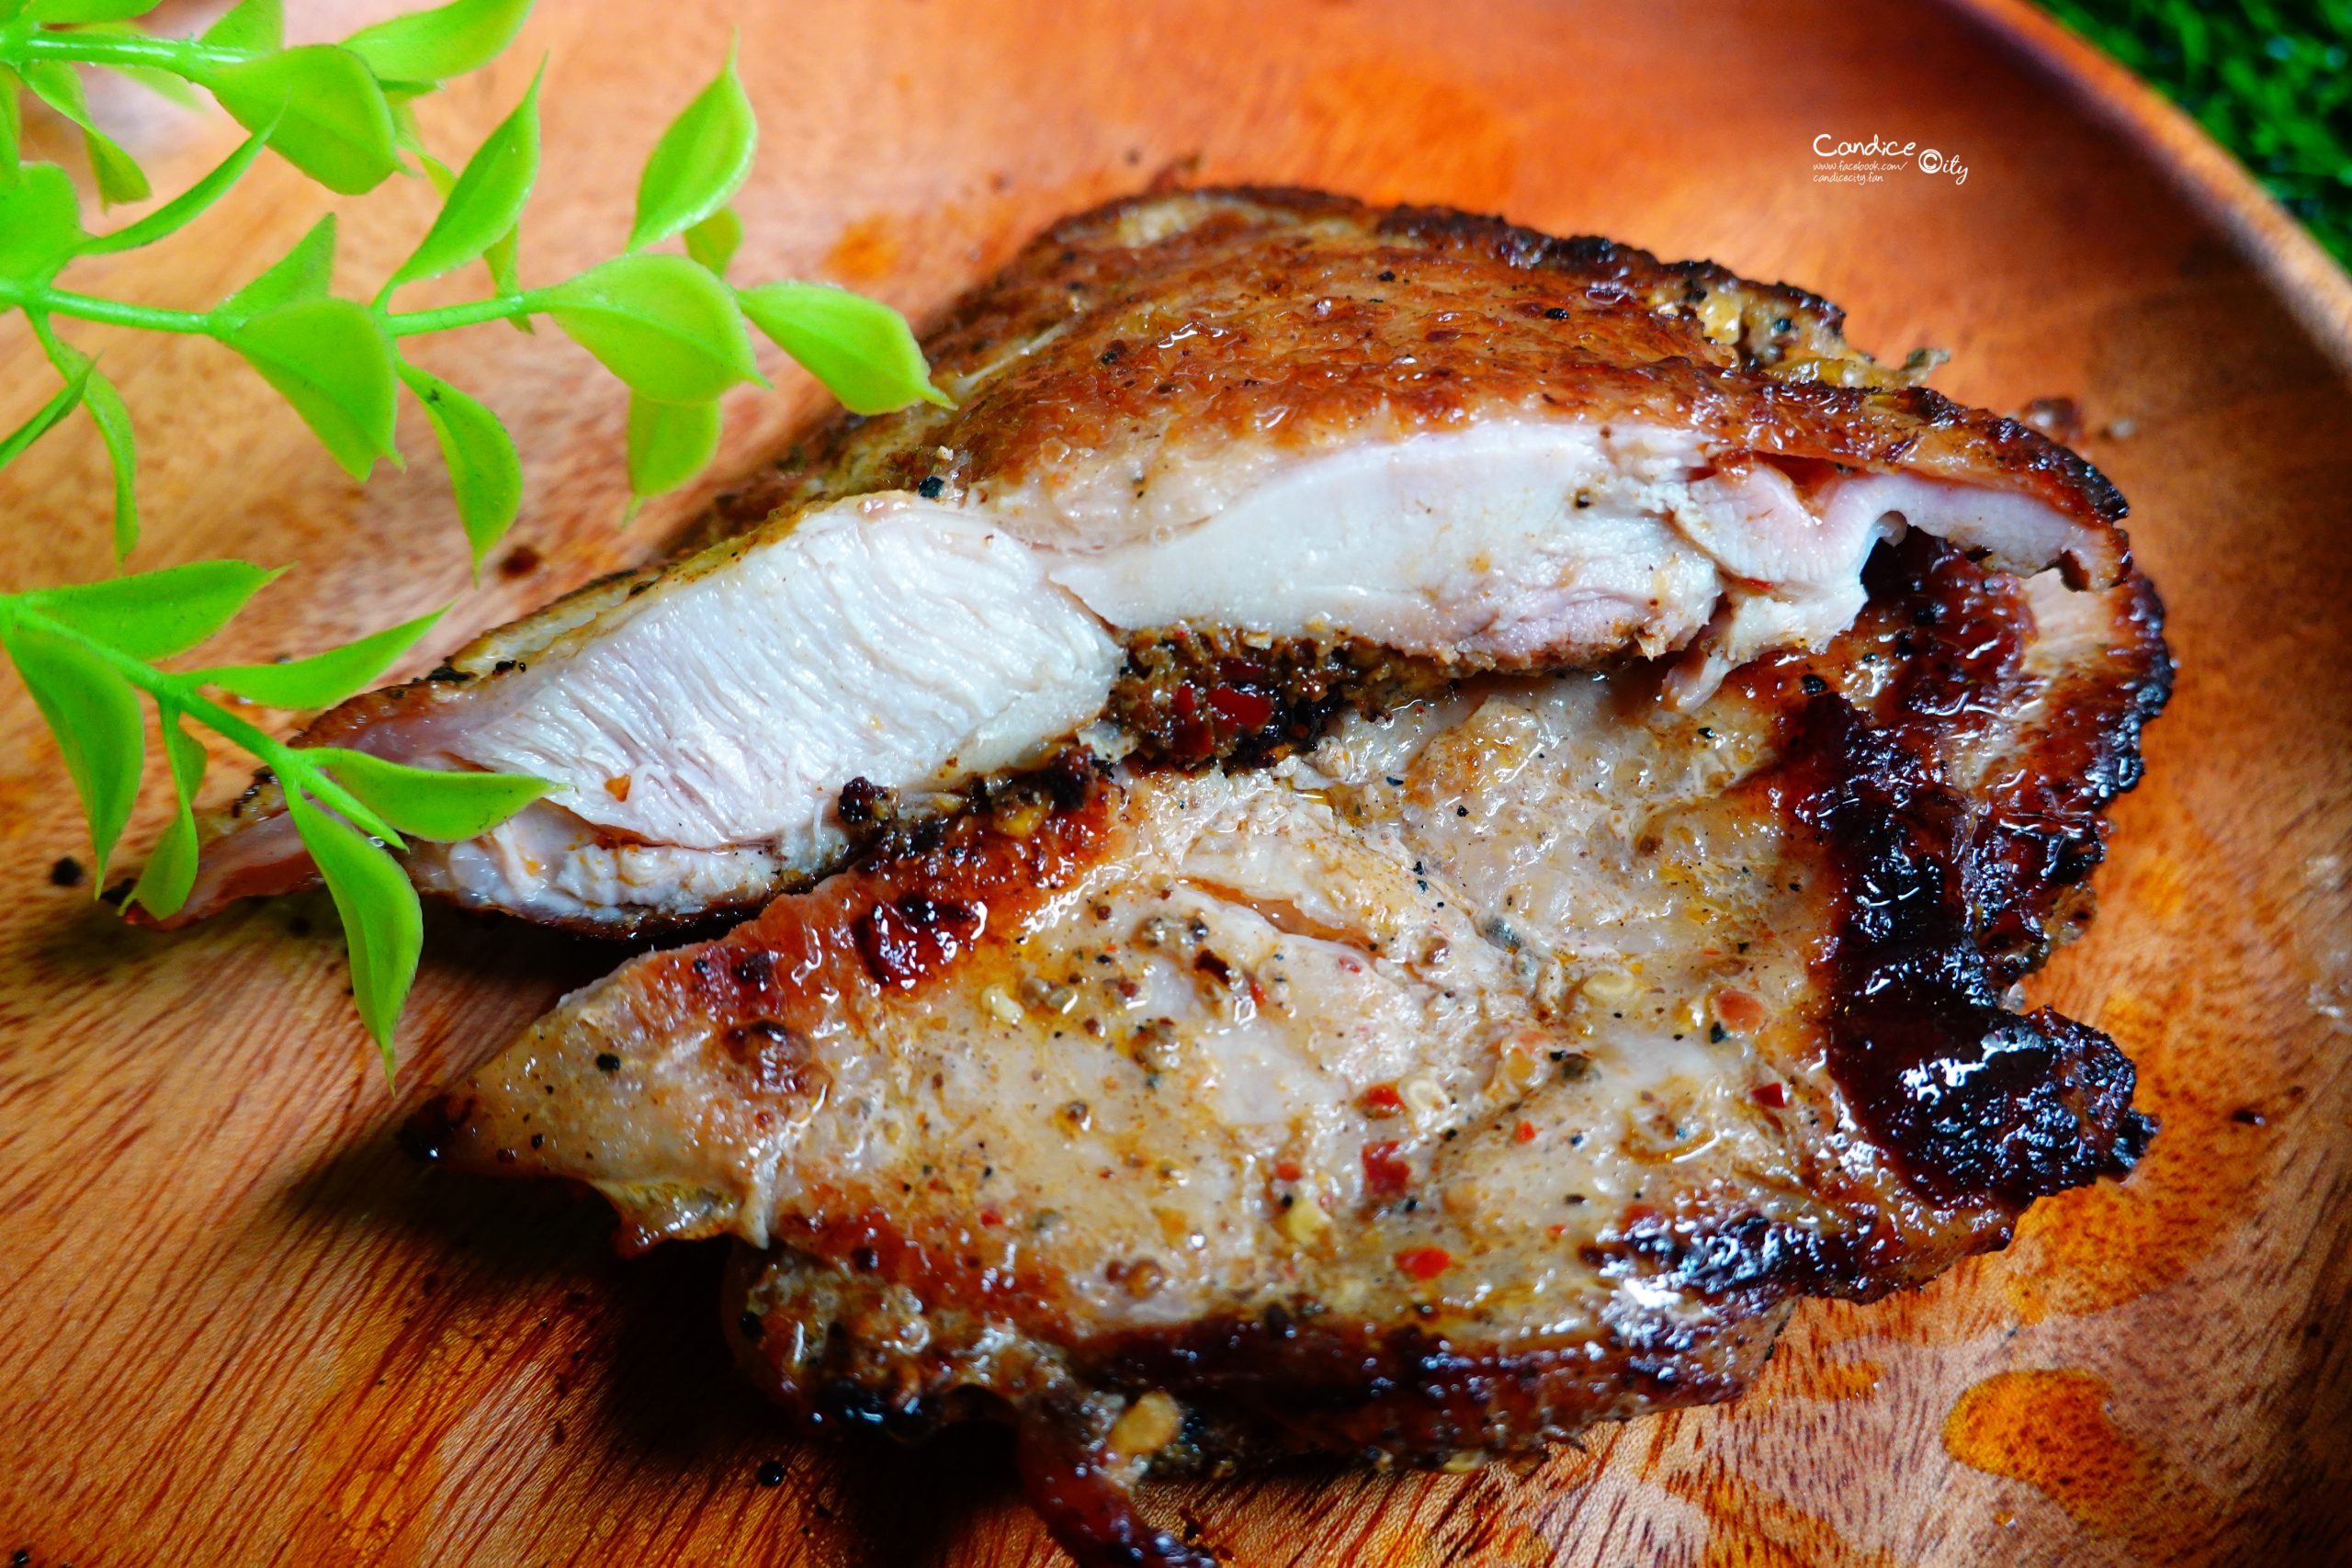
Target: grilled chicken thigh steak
1507, 1062
1390, 446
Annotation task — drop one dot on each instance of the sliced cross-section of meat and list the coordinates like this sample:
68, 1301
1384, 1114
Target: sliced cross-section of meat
1508, 1063
1399, 436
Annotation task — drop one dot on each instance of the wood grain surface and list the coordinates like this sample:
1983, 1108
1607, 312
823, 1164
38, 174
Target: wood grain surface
238, 1326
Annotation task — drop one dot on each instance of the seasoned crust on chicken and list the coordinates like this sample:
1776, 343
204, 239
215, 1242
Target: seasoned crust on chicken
1500, 1065
1145, 341
1432, 439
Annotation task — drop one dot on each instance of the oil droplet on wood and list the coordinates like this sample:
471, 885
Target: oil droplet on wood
2051, 1430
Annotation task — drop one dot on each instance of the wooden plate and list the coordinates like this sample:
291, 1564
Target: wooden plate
237, 1326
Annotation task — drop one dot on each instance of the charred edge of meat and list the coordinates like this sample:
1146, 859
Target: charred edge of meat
1753, 1263
1946, 903
1960, 634
2046, 832
1296, 1377
1075, 1470
1776, 320
1287, 1381
1200, 695
1087, 1504
1973, 1101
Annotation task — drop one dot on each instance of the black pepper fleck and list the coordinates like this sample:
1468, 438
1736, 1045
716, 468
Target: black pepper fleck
608, 1062
67, 873
931, 487
772, 1474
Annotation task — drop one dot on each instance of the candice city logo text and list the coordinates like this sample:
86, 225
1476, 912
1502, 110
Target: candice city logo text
1841, 162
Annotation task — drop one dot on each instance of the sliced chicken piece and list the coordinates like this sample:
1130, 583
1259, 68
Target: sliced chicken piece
1411, 434
1506, 1064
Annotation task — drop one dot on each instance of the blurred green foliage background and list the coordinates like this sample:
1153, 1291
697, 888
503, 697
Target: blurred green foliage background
2270, 79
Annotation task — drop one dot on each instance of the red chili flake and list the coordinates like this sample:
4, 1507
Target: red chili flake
1382, 1099
1774, 1094
1243, 672
1425, 1262
990, 1217
1185, 703
1555, 1231
1287, 1170
1385, 1175
1739, 1009
1524, 1133
1242, 709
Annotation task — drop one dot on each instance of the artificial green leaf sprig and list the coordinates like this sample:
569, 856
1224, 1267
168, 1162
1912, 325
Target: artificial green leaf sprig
670, 327
87, 653
338, 112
